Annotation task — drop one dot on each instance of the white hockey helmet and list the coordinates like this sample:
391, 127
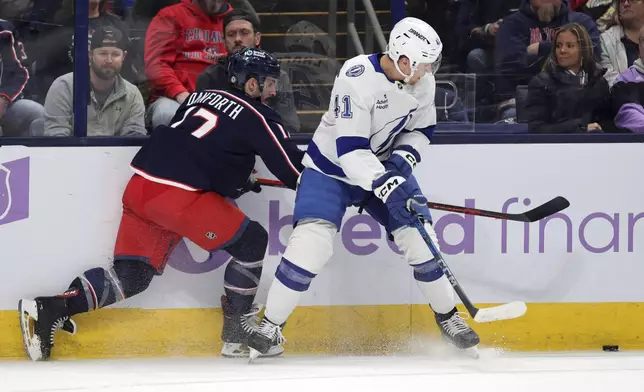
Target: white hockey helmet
416, 40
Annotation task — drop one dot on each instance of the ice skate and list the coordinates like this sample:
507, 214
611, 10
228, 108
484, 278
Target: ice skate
236, 330
457, 333
39, 320
264, 338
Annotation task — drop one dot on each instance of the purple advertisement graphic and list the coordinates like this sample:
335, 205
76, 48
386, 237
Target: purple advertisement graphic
361, 235
14, 190
182, 260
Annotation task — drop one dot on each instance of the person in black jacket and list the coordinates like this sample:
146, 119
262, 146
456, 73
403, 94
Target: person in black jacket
241, 30
570, 94
476, 27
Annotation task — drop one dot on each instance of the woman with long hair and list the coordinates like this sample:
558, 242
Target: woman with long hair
570, 94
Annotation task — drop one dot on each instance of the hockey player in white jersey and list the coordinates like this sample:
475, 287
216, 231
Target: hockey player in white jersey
363, 153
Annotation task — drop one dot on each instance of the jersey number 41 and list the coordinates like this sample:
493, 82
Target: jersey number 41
346, 110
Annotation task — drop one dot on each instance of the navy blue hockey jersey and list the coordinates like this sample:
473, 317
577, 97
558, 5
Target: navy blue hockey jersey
212, 142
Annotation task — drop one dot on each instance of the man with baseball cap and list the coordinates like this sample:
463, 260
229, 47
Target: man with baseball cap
115, 106
241, 30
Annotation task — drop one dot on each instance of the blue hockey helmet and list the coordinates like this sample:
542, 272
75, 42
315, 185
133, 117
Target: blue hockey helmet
249, 63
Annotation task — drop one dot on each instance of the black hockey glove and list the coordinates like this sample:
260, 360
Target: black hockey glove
251, 186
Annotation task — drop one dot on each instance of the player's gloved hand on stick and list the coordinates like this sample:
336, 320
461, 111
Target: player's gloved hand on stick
418, 206
251, 186
403, 159
397, 194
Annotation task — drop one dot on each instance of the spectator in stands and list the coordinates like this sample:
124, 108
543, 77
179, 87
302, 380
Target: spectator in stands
626, 98
16, 114
620, 47
524, 41
181, 42
601, 11
115, 106
53, 48
241, 30
310, 62
477, 25
570, 94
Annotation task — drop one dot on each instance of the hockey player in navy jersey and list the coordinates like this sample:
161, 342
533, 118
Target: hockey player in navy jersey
183, 176
380, 118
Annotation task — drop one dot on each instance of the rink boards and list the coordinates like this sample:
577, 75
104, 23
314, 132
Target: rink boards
580, 272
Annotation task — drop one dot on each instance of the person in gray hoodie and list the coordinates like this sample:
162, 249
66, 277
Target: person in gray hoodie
115, 106
627, 94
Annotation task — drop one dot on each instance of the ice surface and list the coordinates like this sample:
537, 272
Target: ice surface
571, 372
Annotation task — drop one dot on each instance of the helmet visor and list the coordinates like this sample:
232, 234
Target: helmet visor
431, 68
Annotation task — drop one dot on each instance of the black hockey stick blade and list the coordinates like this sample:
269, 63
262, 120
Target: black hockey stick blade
551, 207
555, 205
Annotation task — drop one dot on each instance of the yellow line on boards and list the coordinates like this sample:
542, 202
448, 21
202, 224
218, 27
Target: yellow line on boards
351, 330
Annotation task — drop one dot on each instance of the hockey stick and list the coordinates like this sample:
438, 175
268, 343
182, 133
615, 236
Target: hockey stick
501, 312
551, 207
546, 209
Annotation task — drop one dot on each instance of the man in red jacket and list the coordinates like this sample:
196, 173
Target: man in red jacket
181, 42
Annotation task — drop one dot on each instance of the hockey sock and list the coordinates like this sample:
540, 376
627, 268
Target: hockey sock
97, 288
435, 286
285, 292
241, 280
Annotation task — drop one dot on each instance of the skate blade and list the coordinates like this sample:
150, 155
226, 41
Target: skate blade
239, 350
274, 351
472, 352
464, 353
28, 311
235, 350
252, 355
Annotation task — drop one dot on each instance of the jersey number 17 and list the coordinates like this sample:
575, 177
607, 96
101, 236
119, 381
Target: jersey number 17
209, 125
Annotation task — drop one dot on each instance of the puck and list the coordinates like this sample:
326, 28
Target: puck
610, 348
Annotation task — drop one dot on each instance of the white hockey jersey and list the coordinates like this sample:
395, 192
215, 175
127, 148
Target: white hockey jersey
369, 115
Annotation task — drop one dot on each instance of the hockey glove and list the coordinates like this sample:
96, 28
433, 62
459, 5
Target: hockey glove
251, 186
398, 194
418, 206
403, 159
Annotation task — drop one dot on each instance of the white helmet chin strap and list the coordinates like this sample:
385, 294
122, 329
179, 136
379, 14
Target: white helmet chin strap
407, 77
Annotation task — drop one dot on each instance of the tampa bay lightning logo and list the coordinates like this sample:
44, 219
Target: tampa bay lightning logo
355, 71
